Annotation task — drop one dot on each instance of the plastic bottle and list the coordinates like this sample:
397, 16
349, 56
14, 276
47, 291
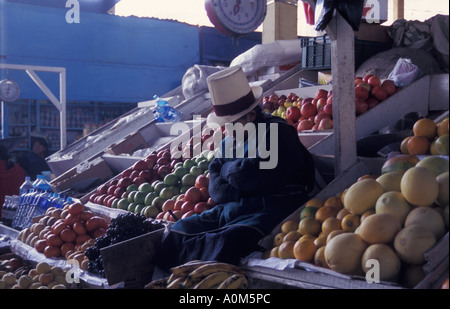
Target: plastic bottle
43, 184
38, 180
164, 112
26, 186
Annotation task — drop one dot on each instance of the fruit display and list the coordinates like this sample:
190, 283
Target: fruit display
394, 217
202, 275
428, 137
125, 226
61, 231
42, 276
316, 113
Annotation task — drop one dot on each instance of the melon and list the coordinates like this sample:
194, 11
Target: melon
393, 203
362, 196
343, 253
399, 163
379, 228
429, 219
437, 165
388, 260
443, 183
412, 242
419, 186
390, 181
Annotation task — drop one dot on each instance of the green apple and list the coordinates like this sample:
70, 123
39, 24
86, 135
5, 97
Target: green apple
188, 163
131, 207
132, 187
159, 187
131, 196
180, 172
138, 208
177, 165
139, 197
204, 165
166, 193
149, 198
170, 179
123, 204
211, 156
114, 203
188, 180
145, 187
151, 211
158, 202
175, 190
183, 189
195, 170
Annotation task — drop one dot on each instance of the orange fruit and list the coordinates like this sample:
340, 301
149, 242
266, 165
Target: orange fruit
278, 239
404, 145
418, 145
292, 236
343, 195
274, 252
334, 202
321, 240
442, 127
319, 258
289, 226
314, 202
334, 233
366, 214
309, 226
325, 212
330, 224
367, 176
425, 127
307, 237
305, 250
286, 250
342, 213
350, 223
308, 211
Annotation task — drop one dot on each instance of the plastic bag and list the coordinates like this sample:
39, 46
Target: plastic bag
351, 11
405, 72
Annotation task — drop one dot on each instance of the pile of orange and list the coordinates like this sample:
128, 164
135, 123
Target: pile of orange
429, 137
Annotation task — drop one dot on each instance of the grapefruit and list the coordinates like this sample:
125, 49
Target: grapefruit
343, 253
412, 242
442, 145
395, 204
427, 218
379, 228
387, 258
350, 223
425, 127
330, 224
362, 196
399, 163
437, 165
390, 181
419, 186
442, 198
418, 145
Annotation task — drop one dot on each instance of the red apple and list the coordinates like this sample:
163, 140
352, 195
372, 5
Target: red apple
267, 105
325, 124
360, 106
102, 189
200, 207
111, 190
293, 113
321, 103
134, 174
361, 92
139, 180
330, 100
371, 102
178, 204
374, 81
188, 214
163, 170
114, 182
321, 116
163, 161
389, 86
119, 191
146, 174
366, 77
307, 100
305, 125
321, 93
211, 202
308, 110
328, 109
92, 197
379, 93
364, 85
273, 98
205, 193
187, 206
358, 80
201, 181
139, 165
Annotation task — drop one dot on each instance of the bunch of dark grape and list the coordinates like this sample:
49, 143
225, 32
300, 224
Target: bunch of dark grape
123, 227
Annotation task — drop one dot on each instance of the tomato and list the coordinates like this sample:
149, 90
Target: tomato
76, 208
193, 195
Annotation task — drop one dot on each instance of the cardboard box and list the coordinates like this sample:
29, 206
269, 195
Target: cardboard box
373, 32
128, 145
85, 172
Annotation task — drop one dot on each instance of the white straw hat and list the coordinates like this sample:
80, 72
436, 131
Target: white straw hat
231, 95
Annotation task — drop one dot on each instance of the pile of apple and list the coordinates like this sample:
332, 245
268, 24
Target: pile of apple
316, 113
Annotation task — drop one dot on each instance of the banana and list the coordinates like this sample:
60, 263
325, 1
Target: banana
236, 281
206, 270
185, 269
157, 284
213, 280
176, 284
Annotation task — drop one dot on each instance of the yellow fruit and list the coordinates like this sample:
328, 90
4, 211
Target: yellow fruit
366, 214
388, 261
412, 242
319, 258
314, 202
286, 250
292, 236
309, 226
307, 237
333, 234
395, 204
305, 250
289, 226
427, 218
274, 252
350, 223
344, 252
419, 186
278, 239
433, 150
419, 145
442, 145
404, 145
399, 163
436, 165
442, 127
342, 213
321, 240
330, 224
391, 181
334, 202
362, 196
325, 212
379, 229
425, 127
443, 183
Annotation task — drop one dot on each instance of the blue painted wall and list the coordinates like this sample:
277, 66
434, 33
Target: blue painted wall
108, 58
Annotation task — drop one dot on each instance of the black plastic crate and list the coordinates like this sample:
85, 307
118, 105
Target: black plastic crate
316, 52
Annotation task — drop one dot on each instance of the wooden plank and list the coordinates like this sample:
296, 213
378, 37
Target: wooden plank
131, 260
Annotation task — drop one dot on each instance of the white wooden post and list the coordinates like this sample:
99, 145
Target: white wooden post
343, 68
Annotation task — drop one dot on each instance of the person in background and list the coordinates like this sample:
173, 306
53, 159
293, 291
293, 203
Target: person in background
11, 176
34, 161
